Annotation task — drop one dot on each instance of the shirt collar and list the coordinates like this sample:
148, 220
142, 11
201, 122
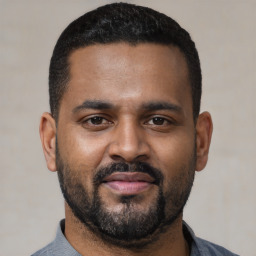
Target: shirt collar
195, 246
61, 246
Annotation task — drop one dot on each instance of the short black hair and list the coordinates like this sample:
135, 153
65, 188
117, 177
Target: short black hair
121, 22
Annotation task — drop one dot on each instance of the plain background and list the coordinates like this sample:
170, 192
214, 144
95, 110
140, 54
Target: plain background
222, 206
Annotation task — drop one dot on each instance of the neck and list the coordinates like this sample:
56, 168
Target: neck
85, 242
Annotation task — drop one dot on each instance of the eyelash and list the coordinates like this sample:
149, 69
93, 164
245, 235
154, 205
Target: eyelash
95, 119
105, 123
164, 120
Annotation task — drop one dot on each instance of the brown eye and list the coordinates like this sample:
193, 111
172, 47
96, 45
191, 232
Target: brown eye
96, 123
158, 121
96, 120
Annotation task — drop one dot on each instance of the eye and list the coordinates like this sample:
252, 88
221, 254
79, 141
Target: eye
158, 121
96, 122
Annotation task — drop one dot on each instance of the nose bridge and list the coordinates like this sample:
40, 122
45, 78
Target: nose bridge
128, 141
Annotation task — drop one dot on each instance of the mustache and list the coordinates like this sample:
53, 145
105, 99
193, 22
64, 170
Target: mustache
143, 167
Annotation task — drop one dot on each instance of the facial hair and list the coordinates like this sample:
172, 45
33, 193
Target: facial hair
129, 227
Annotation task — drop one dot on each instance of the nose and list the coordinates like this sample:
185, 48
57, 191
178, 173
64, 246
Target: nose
129, 142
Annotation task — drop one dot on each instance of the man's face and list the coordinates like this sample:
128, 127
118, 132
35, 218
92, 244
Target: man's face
126, 138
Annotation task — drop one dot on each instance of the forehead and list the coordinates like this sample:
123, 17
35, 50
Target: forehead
123, 73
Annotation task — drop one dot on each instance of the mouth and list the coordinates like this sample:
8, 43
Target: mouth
129, 183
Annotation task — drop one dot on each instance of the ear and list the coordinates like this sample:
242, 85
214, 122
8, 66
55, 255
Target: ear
204, 129
47, 132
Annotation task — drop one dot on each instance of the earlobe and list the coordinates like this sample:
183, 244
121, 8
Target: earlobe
204, 129
47, 132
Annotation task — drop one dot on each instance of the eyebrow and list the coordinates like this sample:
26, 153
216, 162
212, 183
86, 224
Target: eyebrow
161, 105
93, 104
149, 106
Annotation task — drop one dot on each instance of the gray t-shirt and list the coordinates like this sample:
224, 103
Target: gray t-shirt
198, 247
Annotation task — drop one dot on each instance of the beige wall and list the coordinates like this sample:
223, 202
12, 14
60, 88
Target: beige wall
222, 207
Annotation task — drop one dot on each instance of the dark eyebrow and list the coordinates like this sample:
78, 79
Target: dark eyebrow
93, 104
161, 105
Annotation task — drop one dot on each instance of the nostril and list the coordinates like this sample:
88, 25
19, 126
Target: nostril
142, 158
117, 158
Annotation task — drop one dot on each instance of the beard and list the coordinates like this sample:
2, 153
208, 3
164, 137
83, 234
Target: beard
129, 226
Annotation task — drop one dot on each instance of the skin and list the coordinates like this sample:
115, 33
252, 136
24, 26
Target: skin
128, 77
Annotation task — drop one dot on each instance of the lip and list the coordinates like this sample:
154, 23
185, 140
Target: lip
128, 183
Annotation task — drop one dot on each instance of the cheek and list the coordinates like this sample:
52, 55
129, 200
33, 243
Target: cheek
82, 153
81, 148
174, 153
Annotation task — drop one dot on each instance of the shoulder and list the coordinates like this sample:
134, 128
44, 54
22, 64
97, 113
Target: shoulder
201, 247
208, 248
59, 246
45, 251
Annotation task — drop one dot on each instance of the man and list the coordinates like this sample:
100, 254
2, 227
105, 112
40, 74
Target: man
125, 134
